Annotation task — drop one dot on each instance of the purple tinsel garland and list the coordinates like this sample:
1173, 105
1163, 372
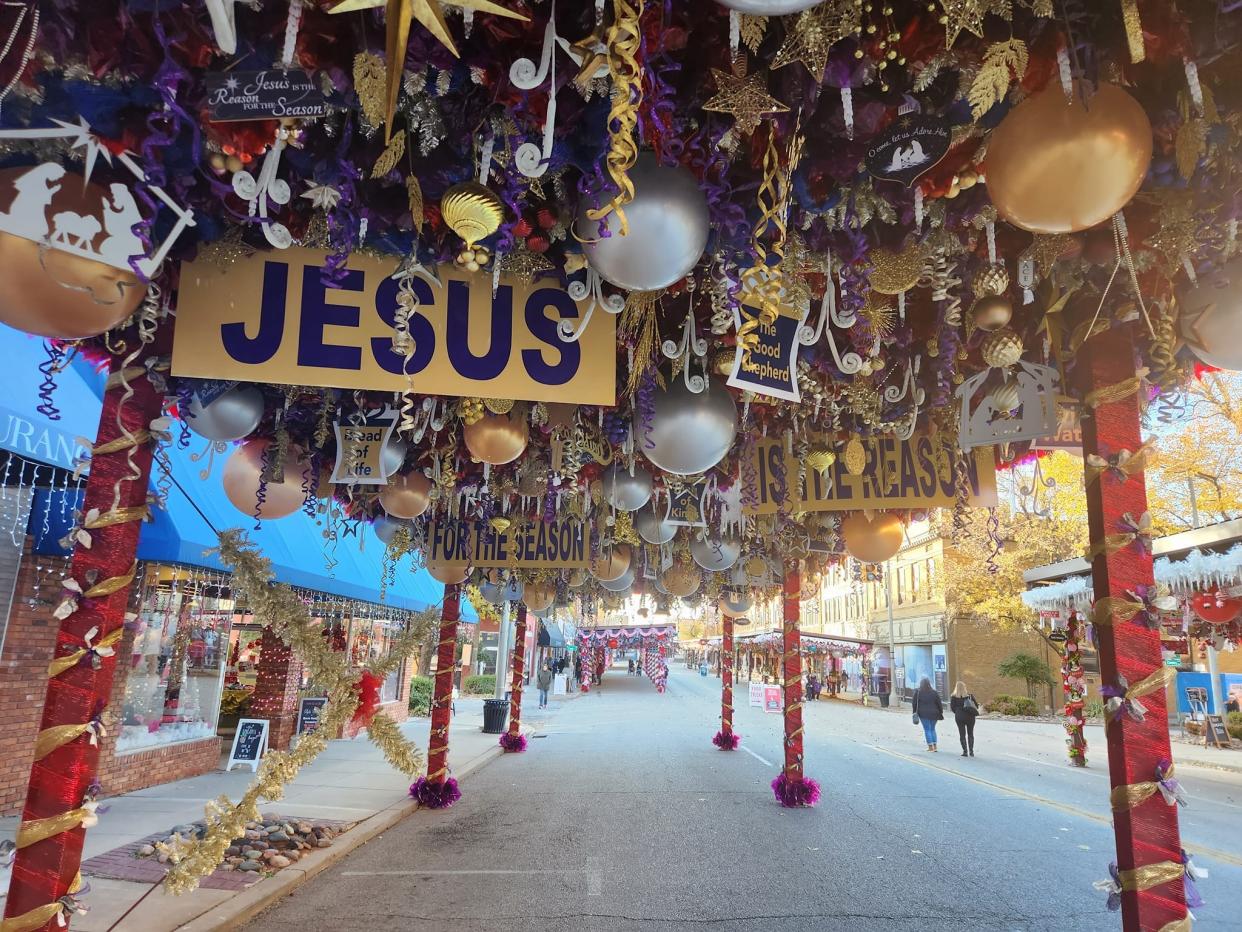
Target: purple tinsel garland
513, 744
727, 742
795, 793
435, 795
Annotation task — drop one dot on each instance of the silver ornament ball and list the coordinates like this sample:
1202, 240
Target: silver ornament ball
768, 7
621, 583
232, 416
652, 529
714, 552
689, 432
626, 492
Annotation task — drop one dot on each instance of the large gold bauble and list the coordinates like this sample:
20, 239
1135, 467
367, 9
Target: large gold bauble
872, 541
242, 481
497, 438
472, 211
539, 596
991, 312
609, 565
895, 272
451, 574
1001, 348
406, 496
1055, 166
682, 580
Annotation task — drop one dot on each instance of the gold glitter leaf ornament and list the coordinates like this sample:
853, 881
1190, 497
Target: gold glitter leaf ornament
472, 211
895, 272
369, 86
855, 456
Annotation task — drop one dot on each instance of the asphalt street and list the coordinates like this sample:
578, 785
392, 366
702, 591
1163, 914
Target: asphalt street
623, 816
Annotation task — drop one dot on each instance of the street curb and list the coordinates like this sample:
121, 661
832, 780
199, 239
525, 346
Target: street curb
240, 909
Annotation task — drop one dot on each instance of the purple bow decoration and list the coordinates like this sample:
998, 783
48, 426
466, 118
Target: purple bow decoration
1111, 886
1190, 874
1118, 703
1155, 604
1140, 527
1170, 788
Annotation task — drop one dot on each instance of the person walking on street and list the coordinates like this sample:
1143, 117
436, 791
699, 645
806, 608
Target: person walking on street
965, 711
928, 709
544, 682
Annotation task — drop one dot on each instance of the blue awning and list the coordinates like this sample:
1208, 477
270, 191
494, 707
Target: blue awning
550, 634
197, 507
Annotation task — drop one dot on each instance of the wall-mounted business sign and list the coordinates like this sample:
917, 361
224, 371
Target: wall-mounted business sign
270, 318
535, 545
914, 473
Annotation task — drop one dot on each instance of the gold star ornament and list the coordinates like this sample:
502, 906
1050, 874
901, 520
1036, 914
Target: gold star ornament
963, 14
398, 14
816, 31
743, 98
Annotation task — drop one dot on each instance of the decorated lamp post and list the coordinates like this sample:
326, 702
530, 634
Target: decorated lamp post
513, 740
60, 797
438, 790
793, 788
726, 739
1148, 875
1075, 689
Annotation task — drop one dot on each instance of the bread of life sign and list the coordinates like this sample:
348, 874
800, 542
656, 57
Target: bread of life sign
272, 318
914, 473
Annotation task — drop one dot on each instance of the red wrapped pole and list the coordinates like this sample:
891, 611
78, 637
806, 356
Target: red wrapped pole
793, 788
45, 870
513, 740
438, 790
1149, 854
726, 739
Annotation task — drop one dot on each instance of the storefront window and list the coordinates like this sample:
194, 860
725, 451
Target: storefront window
371, 640
180, 649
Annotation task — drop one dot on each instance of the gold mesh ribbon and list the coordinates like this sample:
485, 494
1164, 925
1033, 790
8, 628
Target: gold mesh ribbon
1177, 925
1112, 543
69, 661
50, 739
117, 516
1134, 30
1150, 875
1132, 794
1110, 606
111, 584
40, 916
121, 443
1135, 462
1112, 393
37, 830
624, 40
1150, 684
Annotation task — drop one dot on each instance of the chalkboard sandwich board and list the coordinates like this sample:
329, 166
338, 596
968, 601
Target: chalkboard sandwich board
309, 711
249, 743
1217, 733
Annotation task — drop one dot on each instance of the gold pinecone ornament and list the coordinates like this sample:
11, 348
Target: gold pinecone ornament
1002, 348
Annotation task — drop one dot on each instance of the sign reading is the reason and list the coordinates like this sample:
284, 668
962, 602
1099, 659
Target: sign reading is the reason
271, 318
914, 473
558, 544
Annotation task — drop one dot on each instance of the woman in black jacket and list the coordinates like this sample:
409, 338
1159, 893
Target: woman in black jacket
965, 711
928, 709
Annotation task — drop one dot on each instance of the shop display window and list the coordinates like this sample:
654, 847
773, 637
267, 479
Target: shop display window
176, 665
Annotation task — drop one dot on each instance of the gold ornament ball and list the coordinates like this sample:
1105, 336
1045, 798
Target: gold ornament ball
242, 479
1056, 166
612, 565
991, 312
472, 211
1002, 348
497, 438
872, 541
451, 574
991, 279
406, 496
539, 596
682, 580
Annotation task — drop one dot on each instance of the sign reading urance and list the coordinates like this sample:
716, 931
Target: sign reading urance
271, 318
914, 473
534, 545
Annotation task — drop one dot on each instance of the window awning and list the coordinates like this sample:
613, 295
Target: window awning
550, 635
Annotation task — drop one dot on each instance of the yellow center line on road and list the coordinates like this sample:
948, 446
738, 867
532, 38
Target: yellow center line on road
1052, 803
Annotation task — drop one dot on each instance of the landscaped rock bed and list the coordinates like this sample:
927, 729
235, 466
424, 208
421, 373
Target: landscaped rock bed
267, 847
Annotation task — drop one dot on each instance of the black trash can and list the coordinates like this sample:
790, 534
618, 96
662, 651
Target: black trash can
883, 700
495, 716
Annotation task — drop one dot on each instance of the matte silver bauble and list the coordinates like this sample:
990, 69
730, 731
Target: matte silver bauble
689, 433
714, 552
393, 456
626, 492
622, 583
768, 7
491, 591
736, 604
232, 416
668, 227
1211, 317
652, 529
386, 528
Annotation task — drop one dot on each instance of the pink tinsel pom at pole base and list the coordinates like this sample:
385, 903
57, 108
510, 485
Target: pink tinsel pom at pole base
513, 744
435, 795
795, 793
727, 741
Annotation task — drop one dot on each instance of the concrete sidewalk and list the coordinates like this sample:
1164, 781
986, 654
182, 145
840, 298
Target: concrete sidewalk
349, 783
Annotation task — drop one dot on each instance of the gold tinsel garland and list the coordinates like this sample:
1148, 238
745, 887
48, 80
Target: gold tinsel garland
286, 615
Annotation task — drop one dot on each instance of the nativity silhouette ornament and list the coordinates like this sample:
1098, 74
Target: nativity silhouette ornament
108, 235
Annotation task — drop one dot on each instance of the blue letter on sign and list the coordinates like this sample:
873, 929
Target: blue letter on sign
317, 313
490, 365
421, 332
271, 320
544, 329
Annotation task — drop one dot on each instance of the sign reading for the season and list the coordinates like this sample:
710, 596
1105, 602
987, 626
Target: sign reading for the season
535, 545
271, 318
914, 473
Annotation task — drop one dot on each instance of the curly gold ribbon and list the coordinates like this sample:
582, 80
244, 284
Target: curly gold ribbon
69, 661
1110, 606
1112, 393
37, 830
1150, 875
118, 516
1132, 794
122, 443
624, 40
